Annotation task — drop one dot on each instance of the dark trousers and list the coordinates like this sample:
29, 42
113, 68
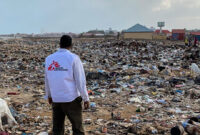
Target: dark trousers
73, 110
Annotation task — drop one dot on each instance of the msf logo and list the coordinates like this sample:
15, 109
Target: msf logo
56, 67
53, 66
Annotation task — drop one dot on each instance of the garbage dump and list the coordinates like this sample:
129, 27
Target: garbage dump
135, 87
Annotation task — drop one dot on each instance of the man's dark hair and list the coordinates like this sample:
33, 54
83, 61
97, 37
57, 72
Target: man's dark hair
195, 119
65, 41
175, 131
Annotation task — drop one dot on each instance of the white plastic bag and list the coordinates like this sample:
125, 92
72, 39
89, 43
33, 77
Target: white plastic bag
195, 69
43, 133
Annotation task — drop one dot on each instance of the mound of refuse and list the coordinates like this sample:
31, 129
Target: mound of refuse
135, 87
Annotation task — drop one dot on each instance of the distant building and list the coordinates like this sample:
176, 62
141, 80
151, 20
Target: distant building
86, 35
97, 33
178, 34
164, 32
111, 32
93, 33
196, 34
138, 32
152, 28
53, 35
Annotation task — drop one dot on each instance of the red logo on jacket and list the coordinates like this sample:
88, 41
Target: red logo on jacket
53, 66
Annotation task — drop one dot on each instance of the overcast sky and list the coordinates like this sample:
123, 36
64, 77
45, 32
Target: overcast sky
39, 16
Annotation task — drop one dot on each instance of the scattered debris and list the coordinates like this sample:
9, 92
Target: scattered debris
135, 87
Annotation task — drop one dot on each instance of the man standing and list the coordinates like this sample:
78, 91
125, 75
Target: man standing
65, 87
186, 41
195, 41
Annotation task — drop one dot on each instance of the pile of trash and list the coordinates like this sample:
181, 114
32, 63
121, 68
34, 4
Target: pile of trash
135, 87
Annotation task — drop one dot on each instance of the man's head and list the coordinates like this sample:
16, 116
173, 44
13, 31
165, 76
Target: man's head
65, 42
177, 130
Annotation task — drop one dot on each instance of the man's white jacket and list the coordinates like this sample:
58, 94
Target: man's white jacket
64, 77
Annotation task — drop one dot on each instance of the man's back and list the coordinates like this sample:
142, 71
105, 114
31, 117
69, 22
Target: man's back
60, 75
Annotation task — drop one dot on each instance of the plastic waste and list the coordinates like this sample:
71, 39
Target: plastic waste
161, 101
43, 133
194, 68
4, 133
135, 100
92, 104
179, 91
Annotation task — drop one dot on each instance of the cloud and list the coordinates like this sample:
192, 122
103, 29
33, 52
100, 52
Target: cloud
168, 4
165, 4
